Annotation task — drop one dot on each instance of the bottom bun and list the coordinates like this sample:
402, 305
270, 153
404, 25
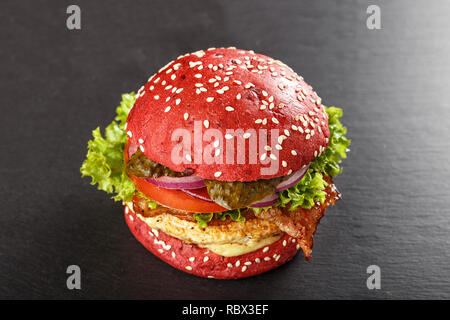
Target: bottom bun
202, 262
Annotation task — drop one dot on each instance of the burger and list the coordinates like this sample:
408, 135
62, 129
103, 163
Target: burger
224, 161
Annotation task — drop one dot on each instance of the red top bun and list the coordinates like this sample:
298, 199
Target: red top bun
224, 89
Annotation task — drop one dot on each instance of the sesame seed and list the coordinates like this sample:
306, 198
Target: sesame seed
294, 153
265, 94
173, 254
156, 97
228, 108
248, 263
284, 163
244, 268
265, 249
192, 259
173, 76
141, 141
198, 75
217, 174
278, 147
229, 265
263, 157
209, 99
179, 90
238, 96
189, 268
205, 259
238, 263
257, 260
266, 258
284, 243
216, 143
228, 136
247, 135
167, 109
273, 157
186, 116
206, 124
142, 148
177, 102
275, 120
189, 158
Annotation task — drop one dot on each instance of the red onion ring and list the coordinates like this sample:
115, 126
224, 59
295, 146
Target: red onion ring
199, 193
292, 179
188, 182
266, 202
131, 149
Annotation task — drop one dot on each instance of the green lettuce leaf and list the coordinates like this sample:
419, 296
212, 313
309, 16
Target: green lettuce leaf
309, 189
104, 161
203, 218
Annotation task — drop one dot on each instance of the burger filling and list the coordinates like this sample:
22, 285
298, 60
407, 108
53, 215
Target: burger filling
296, 211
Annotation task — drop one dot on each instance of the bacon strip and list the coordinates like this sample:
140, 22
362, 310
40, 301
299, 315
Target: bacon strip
302, 223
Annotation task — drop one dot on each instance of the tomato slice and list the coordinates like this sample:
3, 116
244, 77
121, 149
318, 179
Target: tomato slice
175, 199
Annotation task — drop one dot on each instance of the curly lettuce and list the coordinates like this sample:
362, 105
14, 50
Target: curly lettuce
310, 189
203, 218
104, 161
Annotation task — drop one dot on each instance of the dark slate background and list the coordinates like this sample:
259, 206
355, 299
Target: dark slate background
57, 85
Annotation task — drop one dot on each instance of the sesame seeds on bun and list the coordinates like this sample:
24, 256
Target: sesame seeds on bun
230, 89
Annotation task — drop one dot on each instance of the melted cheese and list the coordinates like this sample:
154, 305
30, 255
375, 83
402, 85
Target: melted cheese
236, 249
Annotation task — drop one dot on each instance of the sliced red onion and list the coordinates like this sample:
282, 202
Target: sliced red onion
266, 202
188, 182
131, 149
199, 193
292, 179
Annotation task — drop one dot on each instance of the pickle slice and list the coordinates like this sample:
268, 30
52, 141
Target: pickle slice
141, 166
238, 194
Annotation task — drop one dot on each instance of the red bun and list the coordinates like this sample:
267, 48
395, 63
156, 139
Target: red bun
225, 89
201, 262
